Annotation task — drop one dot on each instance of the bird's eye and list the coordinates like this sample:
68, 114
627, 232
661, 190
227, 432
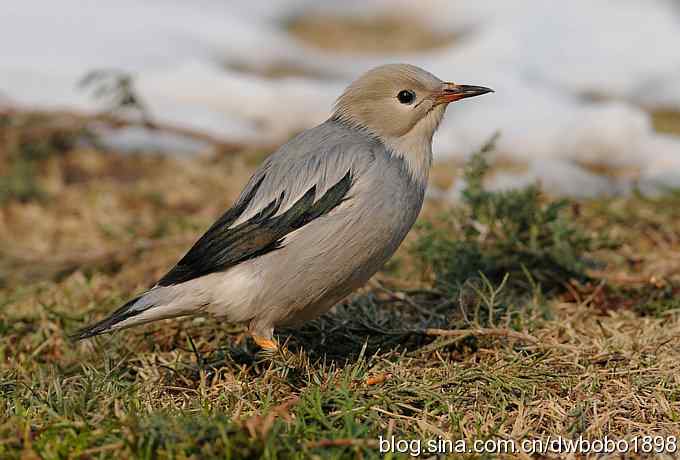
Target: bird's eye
406, 96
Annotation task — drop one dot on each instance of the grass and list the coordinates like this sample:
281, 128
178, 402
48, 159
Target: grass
529, 340
515, 235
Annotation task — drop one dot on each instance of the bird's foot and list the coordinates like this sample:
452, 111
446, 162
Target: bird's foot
266, 344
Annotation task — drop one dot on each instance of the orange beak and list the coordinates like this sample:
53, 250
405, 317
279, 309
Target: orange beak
451, 92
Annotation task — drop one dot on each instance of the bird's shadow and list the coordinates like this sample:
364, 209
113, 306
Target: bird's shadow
365, 325
362, 327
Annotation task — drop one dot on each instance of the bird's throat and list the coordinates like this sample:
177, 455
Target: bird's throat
415, 147
417, 155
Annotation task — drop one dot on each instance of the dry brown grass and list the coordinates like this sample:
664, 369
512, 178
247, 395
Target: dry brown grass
367, 35
603, 358
666, 121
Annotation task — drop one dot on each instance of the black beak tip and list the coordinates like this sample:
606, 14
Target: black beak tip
470, 90
465, 91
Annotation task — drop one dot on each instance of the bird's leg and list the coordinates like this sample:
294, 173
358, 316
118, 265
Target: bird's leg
265, 343
263, 337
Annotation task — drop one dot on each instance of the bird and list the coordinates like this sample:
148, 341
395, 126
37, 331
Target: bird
318, 218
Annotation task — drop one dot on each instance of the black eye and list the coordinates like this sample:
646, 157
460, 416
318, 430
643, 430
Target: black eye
406, 96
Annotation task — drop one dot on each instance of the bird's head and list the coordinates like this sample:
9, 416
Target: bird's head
396, 100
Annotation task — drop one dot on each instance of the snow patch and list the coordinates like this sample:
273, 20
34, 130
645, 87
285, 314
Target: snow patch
570, 78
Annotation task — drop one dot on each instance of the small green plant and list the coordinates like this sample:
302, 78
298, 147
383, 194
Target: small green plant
516, 233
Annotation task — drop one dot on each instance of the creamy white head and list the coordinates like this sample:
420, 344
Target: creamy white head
402, 105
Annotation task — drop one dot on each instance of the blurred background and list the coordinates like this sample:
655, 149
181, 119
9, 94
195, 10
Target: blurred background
587, 101
133, 125
127, 127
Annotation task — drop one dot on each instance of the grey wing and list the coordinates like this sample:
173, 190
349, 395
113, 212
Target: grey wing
286, 193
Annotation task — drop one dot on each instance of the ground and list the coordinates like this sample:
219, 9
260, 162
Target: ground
83, 228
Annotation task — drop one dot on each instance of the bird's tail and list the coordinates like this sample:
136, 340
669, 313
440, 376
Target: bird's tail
131, 309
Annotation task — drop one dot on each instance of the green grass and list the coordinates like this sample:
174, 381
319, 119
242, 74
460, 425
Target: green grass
518, 236
519, 320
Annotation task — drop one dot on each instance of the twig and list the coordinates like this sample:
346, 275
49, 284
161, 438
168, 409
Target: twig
116, 122
489, 332
82, 120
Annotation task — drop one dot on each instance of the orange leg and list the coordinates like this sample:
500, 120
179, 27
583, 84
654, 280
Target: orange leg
265, 343
262, 335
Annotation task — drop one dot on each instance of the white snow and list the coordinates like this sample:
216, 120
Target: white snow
545, 59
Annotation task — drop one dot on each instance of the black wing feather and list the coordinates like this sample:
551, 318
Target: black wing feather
222, 247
